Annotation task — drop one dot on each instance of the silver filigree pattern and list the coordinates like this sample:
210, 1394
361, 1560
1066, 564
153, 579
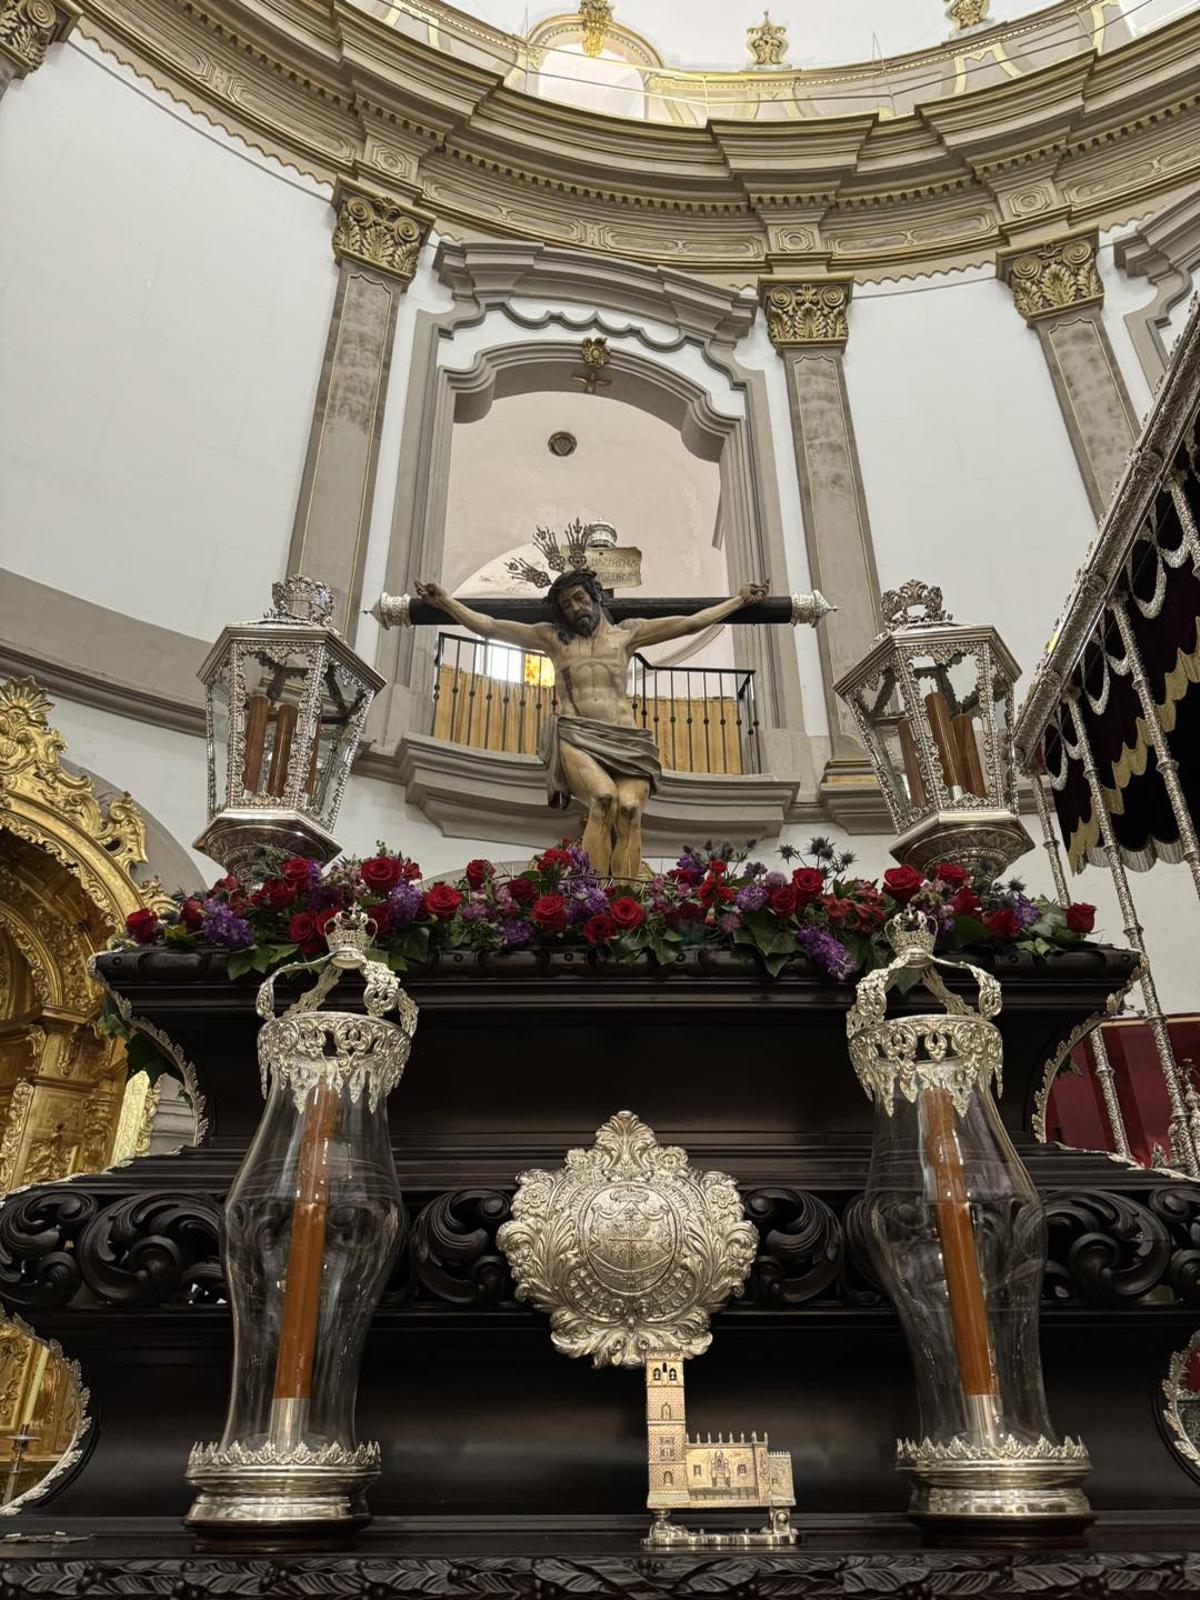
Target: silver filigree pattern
627, 1247
363, 1457
959, 1051
306, 1047
1006, 1450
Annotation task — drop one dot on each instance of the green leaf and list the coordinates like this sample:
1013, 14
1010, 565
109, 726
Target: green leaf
239, 962
396, 961
906, 979
967, 930
413, 943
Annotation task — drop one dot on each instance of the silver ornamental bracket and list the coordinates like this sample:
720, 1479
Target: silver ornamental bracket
959, 1050
305, 1046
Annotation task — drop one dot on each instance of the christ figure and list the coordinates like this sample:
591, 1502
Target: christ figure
594, 750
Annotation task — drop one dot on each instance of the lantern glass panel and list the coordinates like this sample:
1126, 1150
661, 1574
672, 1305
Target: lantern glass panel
343, 702
312, 1225
959, 1234
948, 686
218, 713
895, 745
1002, 720
274, 678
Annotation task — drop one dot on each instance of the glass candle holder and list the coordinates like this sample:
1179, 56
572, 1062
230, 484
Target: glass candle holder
312, 1225
959, 1237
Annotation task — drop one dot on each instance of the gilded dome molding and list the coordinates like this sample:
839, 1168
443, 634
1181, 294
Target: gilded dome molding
1094, 141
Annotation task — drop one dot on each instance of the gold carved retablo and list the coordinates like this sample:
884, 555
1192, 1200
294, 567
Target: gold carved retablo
631, 1250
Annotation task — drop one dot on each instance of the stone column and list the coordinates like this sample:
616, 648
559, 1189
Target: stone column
377, 240
1057, 289
807, 323
27, 30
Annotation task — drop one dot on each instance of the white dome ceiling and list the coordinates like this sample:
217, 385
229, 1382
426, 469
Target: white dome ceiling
820, 33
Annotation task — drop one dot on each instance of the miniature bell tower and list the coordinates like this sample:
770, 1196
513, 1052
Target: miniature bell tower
666, 1432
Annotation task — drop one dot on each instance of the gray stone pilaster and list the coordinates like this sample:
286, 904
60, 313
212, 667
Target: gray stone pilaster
377, 240
808, 324
1057, 289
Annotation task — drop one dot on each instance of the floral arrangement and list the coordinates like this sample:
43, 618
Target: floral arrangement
812, 909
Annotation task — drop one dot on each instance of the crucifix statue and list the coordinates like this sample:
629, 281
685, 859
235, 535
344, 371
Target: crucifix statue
594, 750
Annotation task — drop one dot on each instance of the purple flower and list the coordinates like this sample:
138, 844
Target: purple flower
404, 903
593, 900
504, 900
752, 897
471, 910
1024, 910
516, 932
729, 922
826, 951
774, 880
580, 860
222, 927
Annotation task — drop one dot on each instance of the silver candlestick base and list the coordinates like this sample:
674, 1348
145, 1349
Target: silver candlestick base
1000, 1479
269, 1487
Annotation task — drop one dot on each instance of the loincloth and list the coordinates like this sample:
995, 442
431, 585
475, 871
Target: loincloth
622, 752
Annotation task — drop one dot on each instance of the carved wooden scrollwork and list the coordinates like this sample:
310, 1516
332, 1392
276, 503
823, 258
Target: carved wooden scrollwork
454, 1250
800, 1246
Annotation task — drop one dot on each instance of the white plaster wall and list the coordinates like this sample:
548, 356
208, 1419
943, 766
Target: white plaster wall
164, 302
970, 479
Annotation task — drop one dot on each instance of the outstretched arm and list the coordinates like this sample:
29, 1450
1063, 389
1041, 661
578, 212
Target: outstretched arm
658, 629
528, 635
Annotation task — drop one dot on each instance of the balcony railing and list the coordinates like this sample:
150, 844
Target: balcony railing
497, 697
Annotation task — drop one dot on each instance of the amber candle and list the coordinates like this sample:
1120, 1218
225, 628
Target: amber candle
285, 727
258, 709
964, 1286
302, 1285
912, 767
942, 729
970, 764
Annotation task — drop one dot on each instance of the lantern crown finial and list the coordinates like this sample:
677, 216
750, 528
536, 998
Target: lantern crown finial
912, 935
923, 599
301, 599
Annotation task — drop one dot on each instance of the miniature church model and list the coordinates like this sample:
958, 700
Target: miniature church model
691, 1474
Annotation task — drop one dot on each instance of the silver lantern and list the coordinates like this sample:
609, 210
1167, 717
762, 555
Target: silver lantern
933, 700
286, 702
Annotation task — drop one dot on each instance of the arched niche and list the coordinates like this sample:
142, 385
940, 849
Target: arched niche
749, 525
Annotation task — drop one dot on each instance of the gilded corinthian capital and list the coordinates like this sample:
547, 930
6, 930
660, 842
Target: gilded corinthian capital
29, 27
806, 311
378, 230
1047, 279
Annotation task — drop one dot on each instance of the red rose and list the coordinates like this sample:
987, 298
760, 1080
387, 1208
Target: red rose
1002, 923
191, 914
965, 903
1081, 918
954, 877
522, 890
277, 893
713, 891
441, 901
381, 873
297, 870
902, 883
380, 914
302, 927
322, 919
685, 875
142, 925
549, 911
783, 901
478, 872
808, 883
598, 929
626, 913
550, 859
687, 911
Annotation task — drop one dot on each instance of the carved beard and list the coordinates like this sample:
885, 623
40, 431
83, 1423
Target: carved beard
587, 624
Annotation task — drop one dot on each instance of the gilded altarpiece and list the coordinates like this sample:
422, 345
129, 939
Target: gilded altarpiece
66, 886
